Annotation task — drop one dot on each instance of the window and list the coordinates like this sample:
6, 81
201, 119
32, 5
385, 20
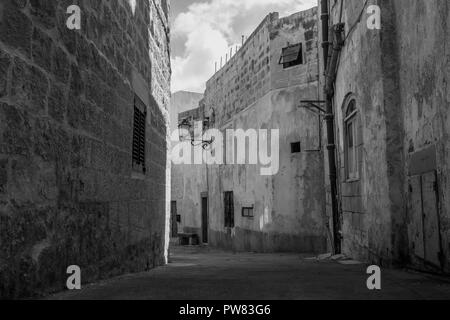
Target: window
139, 126
229, 209
291, 56
350, 136
296, 147
247, 212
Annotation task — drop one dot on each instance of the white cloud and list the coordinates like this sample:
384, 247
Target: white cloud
210, 28
132, 5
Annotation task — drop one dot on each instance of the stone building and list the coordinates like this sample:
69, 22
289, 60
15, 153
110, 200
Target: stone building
391, 101
83, 141
260, 87
186, 179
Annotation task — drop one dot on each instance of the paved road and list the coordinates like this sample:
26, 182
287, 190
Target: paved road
203, 273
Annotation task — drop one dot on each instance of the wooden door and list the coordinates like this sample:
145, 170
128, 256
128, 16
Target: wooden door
205, 219
173, 219
424, 228
432, 241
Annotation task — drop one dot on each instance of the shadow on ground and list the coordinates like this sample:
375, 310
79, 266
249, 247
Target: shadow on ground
202, 273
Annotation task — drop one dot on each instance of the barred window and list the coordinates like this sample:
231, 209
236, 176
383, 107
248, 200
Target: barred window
291, 56
139, 128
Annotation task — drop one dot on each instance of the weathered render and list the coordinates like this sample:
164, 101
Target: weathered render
68, 192
253, 91
398, 210
188, 180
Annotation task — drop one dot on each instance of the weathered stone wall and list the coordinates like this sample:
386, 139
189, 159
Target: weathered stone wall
365, 203
289, 212
397, 75
188, 180
423, 35
68, 194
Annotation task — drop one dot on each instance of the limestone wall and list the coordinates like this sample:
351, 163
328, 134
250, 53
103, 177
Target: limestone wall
68, 193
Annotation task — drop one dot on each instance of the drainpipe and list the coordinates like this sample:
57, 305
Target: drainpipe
324, 16
330, 75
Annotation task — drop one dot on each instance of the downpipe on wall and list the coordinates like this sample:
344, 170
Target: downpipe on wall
330, 64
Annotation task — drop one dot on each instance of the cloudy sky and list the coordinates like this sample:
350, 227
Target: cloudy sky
204, 30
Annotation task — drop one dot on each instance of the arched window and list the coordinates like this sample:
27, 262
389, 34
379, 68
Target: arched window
351, 139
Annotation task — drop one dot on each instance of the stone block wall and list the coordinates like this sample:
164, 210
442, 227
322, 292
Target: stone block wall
255, 70
68, 193
245, 77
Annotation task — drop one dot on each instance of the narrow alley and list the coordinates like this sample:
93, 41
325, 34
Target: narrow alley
202, 273
225, 150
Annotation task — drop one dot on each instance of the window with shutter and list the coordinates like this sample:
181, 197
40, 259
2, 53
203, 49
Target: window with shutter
139, 128
291, 56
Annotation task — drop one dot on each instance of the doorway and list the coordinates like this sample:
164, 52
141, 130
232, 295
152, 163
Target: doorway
424, 225
173, 219
204, 219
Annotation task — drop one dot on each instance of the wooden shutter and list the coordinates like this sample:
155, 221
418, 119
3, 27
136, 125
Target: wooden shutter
139, 128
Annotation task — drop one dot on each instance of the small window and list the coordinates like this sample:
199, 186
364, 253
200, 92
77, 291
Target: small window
229, 209
139, 127
291, 56
296, 147
351, 148
247, 212
178, 218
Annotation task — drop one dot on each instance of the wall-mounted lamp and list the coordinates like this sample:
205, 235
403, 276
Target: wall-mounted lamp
186, 124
